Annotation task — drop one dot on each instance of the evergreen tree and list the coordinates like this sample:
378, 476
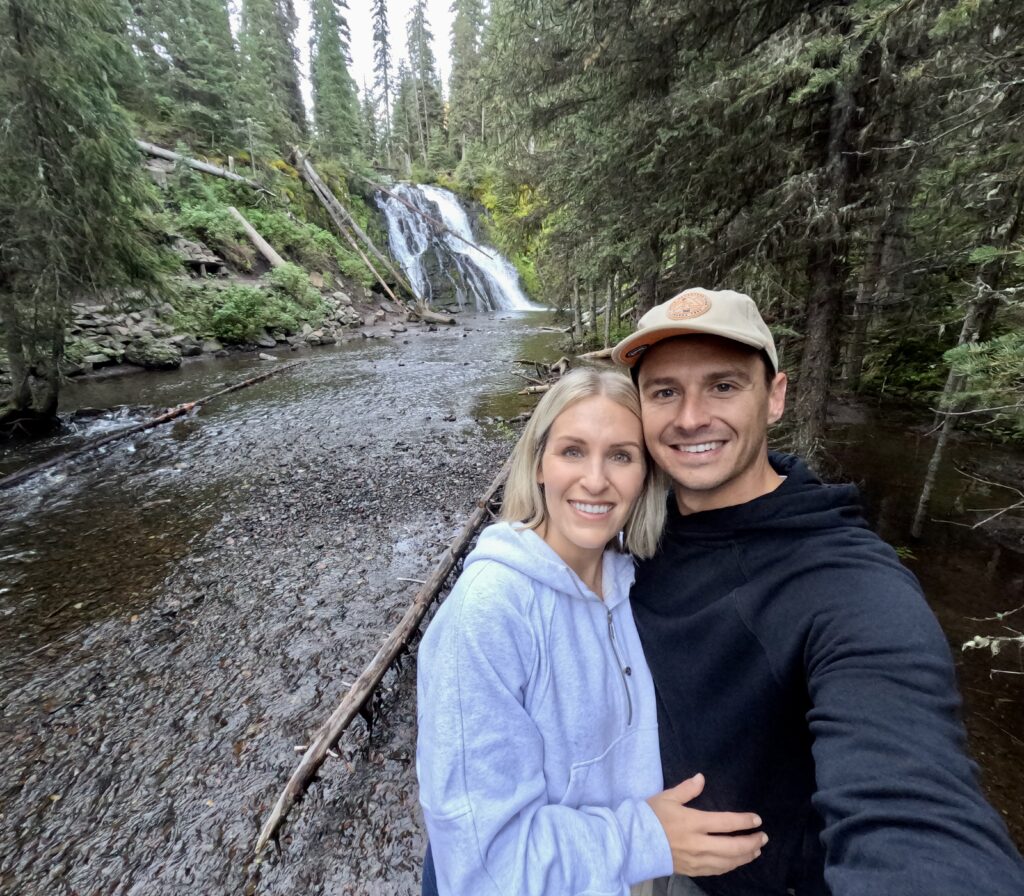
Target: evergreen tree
425, 84
270, 78
191, 70
465, 91
335, 105
73, 197
382, 71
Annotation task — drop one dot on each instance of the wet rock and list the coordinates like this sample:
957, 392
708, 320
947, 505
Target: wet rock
153, 355
398, 328
98, 360
265, 340
263, 356
211, 345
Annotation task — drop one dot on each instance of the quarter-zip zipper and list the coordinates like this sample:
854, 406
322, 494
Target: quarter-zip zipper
623, 671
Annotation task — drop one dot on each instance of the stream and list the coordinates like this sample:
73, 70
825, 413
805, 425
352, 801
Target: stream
182, 609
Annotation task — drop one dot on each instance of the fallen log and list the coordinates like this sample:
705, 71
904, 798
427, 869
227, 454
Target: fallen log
333, 207
265, 249
424, 313
535, 390
166, 417
363, 688
343, 218
431, 220
596, 355
161, 153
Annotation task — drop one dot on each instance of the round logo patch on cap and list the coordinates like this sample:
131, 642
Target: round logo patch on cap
688, 305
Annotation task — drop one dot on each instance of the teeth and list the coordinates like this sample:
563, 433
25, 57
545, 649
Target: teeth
591, 508
701, 448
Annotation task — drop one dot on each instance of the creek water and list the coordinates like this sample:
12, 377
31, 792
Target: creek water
183, 608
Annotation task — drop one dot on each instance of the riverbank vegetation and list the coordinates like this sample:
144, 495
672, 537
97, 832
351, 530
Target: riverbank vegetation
854, 166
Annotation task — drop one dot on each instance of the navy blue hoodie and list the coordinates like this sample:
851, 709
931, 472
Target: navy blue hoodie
797, 665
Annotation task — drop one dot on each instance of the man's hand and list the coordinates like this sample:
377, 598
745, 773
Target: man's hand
696, 837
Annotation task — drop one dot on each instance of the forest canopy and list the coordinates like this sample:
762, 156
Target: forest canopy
856, 166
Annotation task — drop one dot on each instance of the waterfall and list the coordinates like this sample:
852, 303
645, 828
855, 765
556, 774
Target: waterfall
444, 265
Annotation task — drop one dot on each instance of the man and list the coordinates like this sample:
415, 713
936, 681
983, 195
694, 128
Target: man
795, 661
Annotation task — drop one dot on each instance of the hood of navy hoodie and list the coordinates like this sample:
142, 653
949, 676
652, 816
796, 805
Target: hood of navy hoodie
802, 502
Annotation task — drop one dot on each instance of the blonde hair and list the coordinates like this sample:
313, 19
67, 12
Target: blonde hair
524, 500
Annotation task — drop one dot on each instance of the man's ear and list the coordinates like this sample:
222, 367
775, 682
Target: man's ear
777, 397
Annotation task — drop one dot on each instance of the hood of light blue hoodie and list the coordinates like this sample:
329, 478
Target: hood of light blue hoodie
522, 549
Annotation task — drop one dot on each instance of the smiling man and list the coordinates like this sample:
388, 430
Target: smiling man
795, 661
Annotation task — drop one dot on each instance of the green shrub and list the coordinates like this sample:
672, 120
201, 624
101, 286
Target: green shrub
293, 283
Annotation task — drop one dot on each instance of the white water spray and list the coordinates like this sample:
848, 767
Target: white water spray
477, 275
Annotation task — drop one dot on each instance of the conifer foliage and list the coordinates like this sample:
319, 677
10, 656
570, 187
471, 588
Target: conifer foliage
335, 105
73, 199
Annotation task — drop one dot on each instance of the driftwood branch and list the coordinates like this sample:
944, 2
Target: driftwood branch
597, 355
167, 416
362, 690
161, 153
265, 249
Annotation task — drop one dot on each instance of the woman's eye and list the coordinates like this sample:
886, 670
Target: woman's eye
622, 457
572, 451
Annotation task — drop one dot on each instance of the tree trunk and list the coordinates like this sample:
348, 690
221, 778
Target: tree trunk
863, 308
954, 383
593, 312
577, 314
265, 249
161, 153
609, 311
647, 280
826, 279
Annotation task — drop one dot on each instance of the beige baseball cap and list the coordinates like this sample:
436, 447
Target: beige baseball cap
723, 312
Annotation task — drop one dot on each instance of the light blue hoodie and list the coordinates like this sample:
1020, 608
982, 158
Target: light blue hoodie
538, 738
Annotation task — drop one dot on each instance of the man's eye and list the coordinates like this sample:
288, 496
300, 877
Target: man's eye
724, 388
664, 393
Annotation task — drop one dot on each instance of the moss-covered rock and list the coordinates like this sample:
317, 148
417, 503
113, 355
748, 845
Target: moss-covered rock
155, 355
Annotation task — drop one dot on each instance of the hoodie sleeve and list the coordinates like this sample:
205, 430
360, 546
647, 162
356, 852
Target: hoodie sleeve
480, 766
898, 795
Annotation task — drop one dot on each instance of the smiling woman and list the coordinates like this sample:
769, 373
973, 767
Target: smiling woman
538, 754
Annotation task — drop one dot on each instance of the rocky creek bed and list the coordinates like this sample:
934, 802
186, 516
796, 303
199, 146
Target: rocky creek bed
180, 611
184, 610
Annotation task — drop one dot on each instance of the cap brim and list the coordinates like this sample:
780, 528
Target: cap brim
629, 352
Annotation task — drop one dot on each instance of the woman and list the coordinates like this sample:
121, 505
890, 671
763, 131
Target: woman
538, 741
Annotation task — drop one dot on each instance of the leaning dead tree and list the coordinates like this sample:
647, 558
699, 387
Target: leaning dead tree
394, 645
346, 226
171, 156
265, 249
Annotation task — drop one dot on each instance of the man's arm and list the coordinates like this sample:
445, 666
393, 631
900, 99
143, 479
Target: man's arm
899, 797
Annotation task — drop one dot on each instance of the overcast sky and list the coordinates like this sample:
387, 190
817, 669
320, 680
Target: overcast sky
360, 23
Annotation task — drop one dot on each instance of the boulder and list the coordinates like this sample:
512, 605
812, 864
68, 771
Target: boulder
328, 338
397, 328
342, 299
153, 355
97, 360
263, 356
211, 345
265, 340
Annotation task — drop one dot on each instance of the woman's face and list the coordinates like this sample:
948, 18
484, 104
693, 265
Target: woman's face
592, 471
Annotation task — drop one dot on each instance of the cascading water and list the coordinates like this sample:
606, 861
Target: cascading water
445, 264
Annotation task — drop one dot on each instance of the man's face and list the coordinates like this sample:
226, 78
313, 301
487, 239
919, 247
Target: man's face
706, 409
